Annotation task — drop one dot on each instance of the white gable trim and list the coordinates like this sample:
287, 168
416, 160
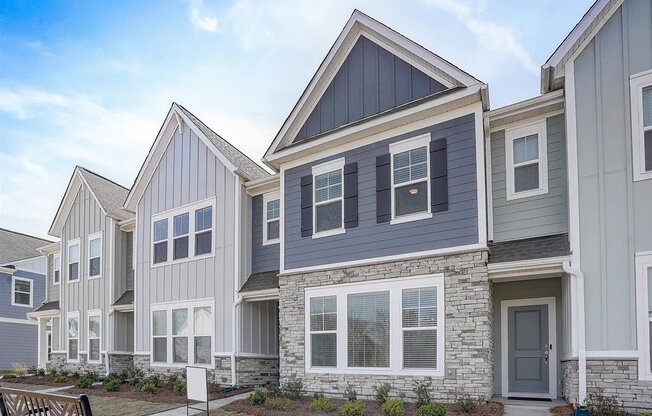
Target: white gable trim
360, 24
174, 120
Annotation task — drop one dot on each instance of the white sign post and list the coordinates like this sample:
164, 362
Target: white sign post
196, 387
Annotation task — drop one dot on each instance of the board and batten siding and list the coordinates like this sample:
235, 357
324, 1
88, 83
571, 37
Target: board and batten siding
458, 226
187, 172
53, 290
615, 218
85, 218
264, 258
259, 333
538, 215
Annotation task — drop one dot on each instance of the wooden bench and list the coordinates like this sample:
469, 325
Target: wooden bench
14, 402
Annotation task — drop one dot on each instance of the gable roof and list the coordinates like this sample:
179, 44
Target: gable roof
109, 196
553, 69
236, 161
360, 24
15, 246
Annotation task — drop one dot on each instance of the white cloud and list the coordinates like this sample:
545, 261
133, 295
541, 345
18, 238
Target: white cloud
18, 102
198, 17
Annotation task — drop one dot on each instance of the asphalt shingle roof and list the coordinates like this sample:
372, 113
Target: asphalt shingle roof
243, 163
261, 281
109, 194
16, 246
127, 298
530, 248
48, 306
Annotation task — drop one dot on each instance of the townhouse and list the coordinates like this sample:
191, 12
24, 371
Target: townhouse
409, 232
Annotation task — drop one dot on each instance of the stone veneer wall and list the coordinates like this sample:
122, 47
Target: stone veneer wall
614, 378
120, 362
469, 317
58, 362
221, 374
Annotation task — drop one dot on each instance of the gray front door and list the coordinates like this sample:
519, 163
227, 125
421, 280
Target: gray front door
528, 349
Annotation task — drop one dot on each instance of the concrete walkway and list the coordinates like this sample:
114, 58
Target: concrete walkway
212, 405
529, 407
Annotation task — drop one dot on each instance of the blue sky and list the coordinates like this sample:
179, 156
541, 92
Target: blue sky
89, 83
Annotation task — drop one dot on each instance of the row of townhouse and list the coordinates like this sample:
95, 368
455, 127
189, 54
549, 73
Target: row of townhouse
408, 233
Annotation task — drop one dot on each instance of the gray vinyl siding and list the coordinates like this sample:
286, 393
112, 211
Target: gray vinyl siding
456, 227
615, 215
259, 327
7, 310
18, 345
187, 172
370, 81
263, 258
124, 331
124, 272
129, 260
53, 290
534, 216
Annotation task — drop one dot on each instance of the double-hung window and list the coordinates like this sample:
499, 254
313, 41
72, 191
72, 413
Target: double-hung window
641, 98
328, 207
73, 260
419, 321
526, 161
73, 336
95, 255
203, 230
644, 313
160, 239
271, 218
410, 179
181, 232
323, 331
94, 335
159, 336
21, 291
56, 276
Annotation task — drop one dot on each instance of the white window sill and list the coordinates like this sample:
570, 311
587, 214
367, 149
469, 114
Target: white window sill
642, 176
94, 277
271, 242
526, 194
180, 365
411, 217
329, 233
73, 281
376, 371
21, 305
56, 283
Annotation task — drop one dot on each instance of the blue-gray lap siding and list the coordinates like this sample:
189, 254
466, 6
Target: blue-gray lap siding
456, 227
263, 258
18, 345
20, 312
538, 215
371, 80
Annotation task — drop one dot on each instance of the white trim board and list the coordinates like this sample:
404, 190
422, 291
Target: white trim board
17, 321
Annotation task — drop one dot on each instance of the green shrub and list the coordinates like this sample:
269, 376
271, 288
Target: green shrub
321, 405
8, 376
351, 394
40, 372
111, 384
52, 373
147, 386
293, 389
60, 379
393, 407
75, 374
257, 398
179, 388
64, 373
381, 393
422, 391
355, 408
84, 382
278, 403
601, 405
432, 410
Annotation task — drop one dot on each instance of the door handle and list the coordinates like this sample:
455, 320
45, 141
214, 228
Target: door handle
546, 352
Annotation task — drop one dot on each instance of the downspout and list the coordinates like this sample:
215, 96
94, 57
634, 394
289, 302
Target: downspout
581, 329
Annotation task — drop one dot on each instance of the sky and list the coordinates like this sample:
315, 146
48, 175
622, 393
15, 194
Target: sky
90, 83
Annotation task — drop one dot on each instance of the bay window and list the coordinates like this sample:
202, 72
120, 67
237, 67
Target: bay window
73, 260
95, 255
328, 207
94, 335
526, 170
410, 179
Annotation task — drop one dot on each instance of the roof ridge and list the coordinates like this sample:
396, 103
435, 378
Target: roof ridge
26, 235
102, 177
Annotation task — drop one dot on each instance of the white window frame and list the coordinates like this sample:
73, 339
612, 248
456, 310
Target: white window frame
311, 332
71, 243
93, 313
512, 134
190, 306
176, 237
333, 165
92, 237
13, 291
55, 270
406, 145
169, 215
269, 197
643, 262
73, 315
48, 339
395, 288
637, 83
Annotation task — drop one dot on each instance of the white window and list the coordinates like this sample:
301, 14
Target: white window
644, 313
95, 255
410, 162
73, 260
526, 161
72, 335
56, 276
48, 338
182, 333
271, 218
94, 335
641, 97
22, 292
377, 327
328, 205
183, 233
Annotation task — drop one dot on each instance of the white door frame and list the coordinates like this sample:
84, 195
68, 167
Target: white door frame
552, 339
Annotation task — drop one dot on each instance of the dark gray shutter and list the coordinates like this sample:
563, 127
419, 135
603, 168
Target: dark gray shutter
438, 175
306, 206
351, 195
383, 189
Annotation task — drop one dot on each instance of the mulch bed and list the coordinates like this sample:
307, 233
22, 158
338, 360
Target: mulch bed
302, 408
42, 381
164, 393
562, 410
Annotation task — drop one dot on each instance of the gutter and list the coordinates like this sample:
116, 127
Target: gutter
581, 328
